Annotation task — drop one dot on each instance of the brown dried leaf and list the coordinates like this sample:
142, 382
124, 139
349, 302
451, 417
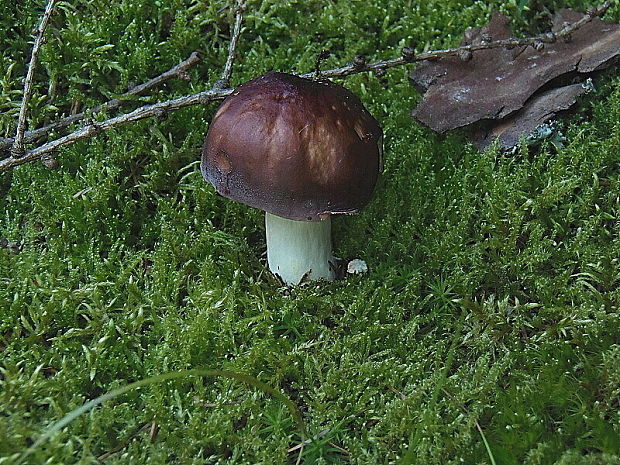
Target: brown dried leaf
497, 82
539, 109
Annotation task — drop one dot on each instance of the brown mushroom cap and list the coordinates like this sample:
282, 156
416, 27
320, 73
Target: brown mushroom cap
294, 147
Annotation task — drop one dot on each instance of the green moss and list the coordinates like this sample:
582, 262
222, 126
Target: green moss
492, 298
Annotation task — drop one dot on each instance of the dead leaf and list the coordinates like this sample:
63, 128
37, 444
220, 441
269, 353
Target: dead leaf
498, 82
538, 110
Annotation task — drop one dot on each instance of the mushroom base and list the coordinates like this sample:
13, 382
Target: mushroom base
298, 249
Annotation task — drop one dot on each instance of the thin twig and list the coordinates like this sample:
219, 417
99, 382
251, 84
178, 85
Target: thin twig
123, 445
319, 435
147, 111
300, 455
17, 150
179, 70
549, 37
224, 81
317, 64
342, 450
215, 93
154, 431
393, 389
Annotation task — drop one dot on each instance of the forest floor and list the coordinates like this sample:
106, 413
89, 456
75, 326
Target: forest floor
486, 330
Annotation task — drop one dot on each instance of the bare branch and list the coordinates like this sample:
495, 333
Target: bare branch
147, 111
177, 71
232, 48
216, 93
409, 57
18, 145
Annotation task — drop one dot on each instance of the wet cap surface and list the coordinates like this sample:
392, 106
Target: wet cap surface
294, 147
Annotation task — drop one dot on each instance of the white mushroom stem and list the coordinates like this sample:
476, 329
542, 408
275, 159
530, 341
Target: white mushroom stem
299, 248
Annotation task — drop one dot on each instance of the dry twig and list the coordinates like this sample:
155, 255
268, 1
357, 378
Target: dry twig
145, 427
179, 70
317, 436
232, 48
358, 66
17, 150
409, 56
94, 128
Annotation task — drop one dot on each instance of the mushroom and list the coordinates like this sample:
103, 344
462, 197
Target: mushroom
301, 150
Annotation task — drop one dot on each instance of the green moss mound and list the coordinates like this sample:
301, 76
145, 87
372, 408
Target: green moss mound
490, 309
